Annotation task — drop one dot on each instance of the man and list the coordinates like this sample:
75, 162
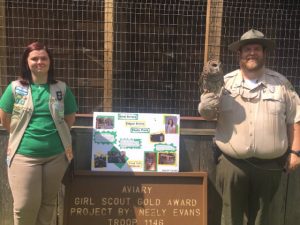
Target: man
258, 132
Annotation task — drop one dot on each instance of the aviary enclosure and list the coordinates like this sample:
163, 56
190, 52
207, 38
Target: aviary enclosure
146, 56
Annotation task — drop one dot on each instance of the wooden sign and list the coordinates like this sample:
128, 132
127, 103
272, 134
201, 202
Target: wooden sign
124, 198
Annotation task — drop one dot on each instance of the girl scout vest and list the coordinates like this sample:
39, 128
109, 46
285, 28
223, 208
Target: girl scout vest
22, 112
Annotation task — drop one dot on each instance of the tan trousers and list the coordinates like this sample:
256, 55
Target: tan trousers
247, 189
34, 183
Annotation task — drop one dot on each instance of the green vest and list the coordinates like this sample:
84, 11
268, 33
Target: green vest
22, 112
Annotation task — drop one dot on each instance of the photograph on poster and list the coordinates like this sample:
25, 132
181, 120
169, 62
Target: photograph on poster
171, 125
150, 161
116, 156
166, 158
100, 160
104, 122
160, 137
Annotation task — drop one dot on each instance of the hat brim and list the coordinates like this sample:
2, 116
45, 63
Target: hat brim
268, 44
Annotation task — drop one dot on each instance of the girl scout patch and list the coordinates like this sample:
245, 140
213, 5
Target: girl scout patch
59, 95
59, 108
21, 90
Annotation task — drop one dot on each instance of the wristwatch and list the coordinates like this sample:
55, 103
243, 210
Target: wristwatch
296, 152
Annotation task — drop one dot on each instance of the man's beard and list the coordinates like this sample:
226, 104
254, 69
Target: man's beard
251, 66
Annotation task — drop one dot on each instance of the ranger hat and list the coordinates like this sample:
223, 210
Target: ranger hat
252, 37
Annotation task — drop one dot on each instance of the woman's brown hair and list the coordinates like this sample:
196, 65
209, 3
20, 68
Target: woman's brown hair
26, 77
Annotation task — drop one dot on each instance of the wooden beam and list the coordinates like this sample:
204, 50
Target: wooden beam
213, 31
197, 132
208, 7
3, 53
108, 55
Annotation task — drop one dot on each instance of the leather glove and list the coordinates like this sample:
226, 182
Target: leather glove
209, 105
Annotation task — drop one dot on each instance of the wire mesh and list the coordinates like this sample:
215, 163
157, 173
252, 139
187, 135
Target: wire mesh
146, 55
159, 69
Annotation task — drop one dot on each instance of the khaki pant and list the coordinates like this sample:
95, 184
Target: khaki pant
34, 183
247, 188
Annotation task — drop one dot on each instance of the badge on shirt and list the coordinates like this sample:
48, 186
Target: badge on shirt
59, 95
21, 90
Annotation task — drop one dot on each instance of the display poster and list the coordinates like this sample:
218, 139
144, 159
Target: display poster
137, 142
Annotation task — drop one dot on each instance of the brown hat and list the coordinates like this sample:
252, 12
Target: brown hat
252, 37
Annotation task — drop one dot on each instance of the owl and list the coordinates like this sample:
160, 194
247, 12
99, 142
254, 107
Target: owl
211, 78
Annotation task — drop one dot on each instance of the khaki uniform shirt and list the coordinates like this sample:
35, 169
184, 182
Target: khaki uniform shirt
253, 121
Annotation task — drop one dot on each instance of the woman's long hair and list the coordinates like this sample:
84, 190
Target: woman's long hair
26, 76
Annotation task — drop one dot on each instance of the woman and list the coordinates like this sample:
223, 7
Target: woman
171, 127
37, 111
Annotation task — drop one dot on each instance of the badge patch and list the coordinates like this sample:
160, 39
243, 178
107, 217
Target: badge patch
59, 108
59, 95
21, 90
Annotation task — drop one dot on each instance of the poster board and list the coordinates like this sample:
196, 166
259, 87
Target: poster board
137, 142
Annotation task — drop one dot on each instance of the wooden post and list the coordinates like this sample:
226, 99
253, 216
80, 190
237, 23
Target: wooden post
213, 29
5, 194
3, 55
108, 54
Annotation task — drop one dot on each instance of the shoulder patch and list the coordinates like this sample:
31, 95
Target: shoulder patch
58, 90
23, 91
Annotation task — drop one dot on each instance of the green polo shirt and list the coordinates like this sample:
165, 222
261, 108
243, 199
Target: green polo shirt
41, 138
